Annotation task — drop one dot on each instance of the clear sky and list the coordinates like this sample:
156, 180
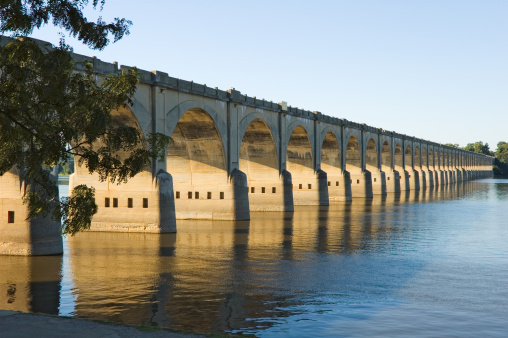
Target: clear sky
433, 69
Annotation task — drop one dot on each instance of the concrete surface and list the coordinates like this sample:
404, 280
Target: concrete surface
18, 324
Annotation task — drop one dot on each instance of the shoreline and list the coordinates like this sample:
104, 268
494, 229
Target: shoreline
22, 324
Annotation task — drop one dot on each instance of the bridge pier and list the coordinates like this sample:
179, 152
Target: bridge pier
361, 184
450, 176
144, 204
20, 235
339, 187
378, 182
414, 179
458, 175
405, 184
271, 194
429, 179
465, 175
422, 179
442, 177
392, 181
311, 190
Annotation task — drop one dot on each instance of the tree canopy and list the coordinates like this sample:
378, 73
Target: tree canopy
501, 165
479, 148
49, 111
22, 17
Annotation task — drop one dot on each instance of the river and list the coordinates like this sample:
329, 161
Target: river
429, 264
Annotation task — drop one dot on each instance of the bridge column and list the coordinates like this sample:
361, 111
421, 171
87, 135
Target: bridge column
373, 164
19, 235
360, 179
429, 178
413, 176
269, 187
458, 175
309, 182
339, 186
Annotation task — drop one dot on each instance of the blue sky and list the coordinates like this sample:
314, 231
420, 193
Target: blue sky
434, 69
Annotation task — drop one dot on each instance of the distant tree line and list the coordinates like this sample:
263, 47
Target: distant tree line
66, 168
501, 154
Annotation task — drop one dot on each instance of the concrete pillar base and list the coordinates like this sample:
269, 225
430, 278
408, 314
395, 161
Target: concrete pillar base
392, 181
361, 185
429, 179
378, 183
339, 187
270, 195
21, 236
404, 181
143, 204
228, 201
414, 179
311, 190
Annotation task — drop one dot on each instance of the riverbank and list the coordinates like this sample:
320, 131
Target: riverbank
19, 325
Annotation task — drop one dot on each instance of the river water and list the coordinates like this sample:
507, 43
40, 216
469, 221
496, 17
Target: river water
429, 264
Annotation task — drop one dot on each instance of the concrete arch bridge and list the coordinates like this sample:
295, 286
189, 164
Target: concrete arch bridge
233, 154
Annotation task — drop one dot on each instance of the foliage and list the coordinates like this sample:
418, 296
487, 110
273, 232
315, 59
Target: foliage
454, 145
49, 112
502, 152
501, 165
77, 211
22, 17
66, 168
479, 147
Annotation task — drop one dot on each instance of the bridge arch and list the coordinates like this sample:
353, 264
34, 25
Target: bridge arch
398, 162
259, 161
132, 206
425, 159
371, 156
353, 156
330, 154
408, 158
197, 155
173, 117
258, 152
300, 163
417, 162
331, 164
386, 157
245, 123
361, 184
197, 162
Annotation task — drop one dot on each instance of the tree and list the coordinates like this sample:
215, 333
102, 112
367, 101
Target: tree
502, 152
501, 164
479, 147
49, 111
453, 145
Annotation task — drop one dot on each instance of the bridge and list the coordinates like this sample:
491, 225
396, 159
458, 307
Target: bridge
234, 154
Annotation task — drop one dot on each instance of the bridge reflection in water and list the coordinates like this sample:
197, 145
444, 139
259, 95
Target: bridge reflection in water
216, 275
